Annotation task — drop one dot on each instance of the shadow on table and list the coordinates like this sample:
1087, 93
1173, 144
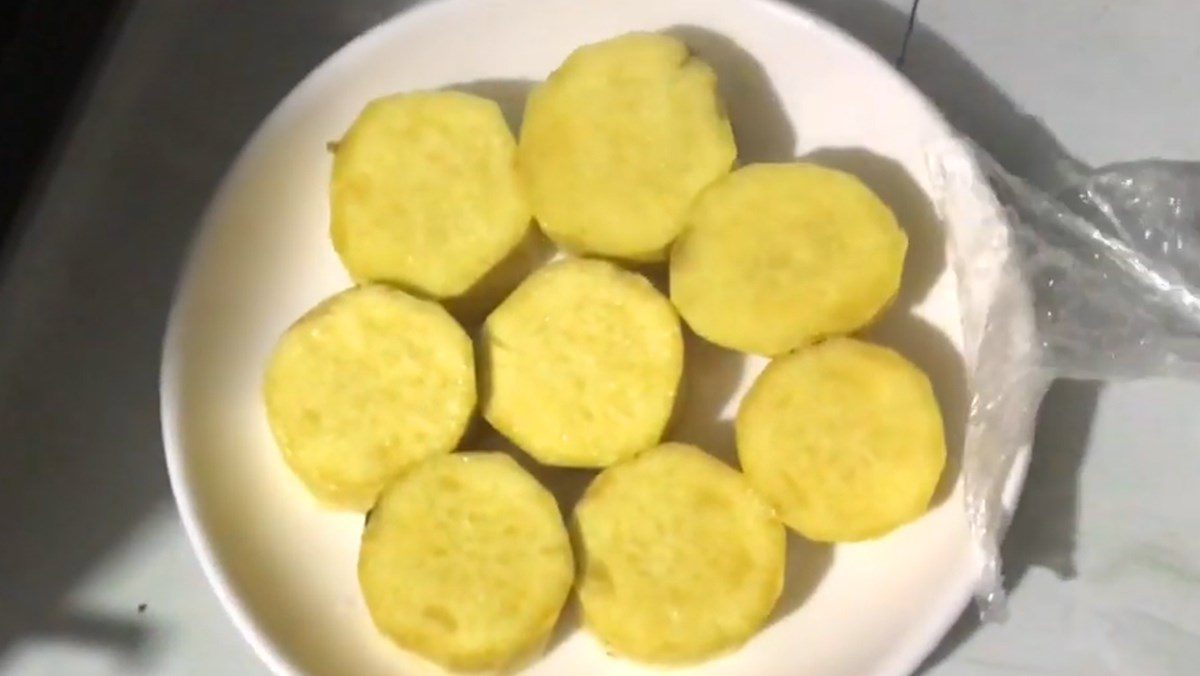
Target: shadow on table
84, 296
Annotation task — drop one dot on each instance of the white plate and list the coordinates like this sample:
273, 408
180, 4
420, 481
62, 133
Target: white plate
285, 569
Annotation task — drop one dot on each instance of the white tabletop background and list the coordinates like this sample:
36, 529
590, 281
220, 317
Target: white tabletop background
96, 576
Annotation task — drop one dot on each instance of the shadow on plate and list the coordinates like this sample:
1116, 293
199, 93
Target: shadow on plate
807, 563
510, 95
473, 307
703, 416
761, 126
567, 484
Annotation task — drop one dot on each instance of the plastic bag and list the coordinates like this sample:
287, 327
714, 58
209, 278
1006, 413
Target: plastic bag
1111, 268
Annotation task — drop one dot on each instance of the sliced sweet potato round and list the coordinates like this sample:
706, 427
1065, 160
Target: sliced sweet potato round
582, 363
466, 561
367, 383
425, 194
775, 256
844, 438
680, 558
617, 142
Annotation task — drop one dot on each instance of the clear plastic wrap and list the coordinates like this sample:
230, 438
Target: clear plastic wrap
1111, 268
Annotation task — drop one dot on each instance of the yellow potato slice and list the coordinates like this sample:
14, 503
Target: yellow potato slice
618, 141
680, 559
845, 439
425, 194
775, 256
364, 385
466, 561
582, 364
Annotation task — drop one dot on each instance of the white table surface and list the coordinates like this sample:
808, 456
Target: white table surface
96, 576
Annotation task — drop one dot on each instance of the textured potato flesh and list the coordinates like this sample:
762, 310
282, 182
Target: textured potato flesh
618, 141
680, 558
775, 256
425, 193
583, 364
844, 438
466, 561
364, 385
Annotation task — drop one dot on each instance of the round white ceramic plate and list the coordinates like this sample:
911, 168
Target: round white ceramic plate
795, 86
